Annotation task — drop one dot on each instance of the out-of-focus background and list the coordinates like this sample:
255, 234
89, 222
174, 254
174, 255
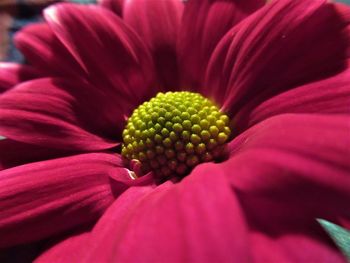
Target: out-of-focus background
14, 14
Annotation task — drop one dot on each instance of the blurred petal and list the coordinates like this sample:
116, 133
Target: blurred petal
204, 23
11, 74
287, 171
329, 96
110, 53
44, 112
42, 199
44, 51
158, 23
274, 50
196, 220
115, 6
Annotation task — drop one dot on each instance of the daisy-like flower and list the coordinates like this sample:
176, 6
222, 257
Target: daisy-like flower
235, 164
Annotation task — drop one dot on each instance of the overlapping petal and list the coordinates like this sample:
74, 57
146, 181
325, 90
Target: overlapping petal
71, 248
329, 96
56, 195
158, 24
54, 113
114, 58
274, 50
287, 171
204, 23
259, 205
12, 74
43, 50
196, 220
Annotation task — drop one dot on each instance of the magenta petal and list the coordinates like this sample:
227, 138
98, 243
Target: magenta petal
274, 50
78, 248
44, 112
329, 96
196, 220
113, 57
158, 23
116, 6
289, 170
42, 199
44, 51
11, 74
204, 23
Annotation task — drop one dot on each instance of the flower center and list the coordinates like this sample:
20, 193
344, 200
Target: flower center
173, 132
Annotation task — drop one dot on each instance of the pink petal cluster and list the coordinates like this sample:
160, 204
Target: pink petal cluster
280, 70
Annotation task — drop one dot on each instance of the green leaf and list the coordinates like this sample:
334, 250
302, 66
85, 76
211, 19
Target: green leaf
340, 236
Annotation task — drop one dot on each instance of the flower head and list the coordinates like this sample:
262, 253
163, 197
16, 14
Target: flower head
275, 81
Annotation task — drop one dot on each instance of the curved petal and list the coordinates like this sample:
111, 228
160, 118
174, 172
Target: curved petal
50, 113
204, 23
158, 23
287, 171
112, 56
329, 96
274, 50
72, 249
12, 74
42, 199
44, 51
197, 220
116, 6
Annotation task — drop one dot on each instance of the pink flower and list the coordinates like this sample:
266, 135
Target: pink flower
280, 72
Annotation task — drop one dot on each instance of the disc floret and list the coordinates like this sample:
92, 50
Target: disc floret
173, 132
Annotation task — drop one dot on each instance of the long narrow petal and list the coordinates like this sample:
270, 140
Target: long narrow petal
204, 23
288, 171
196, 220
274, 50
329, 96
45, 198
50, 112
43, 50
12, 74
113, 57
158, 24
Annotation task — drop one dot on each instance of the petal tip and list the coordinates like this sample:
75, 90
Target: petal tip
50, 13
